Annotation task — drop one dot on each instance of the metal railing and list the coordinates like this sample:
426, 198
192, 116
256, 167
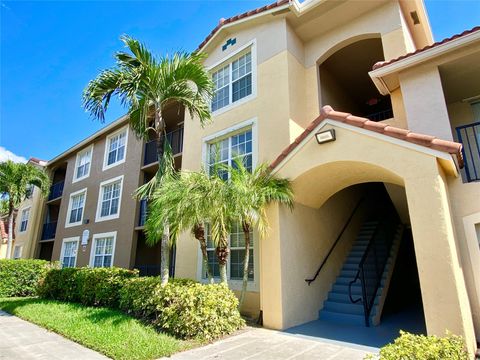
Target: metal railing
175, 138
49, 230
469, 136
309, 281
381, 115
142, 217
373, 262
148, 270
56, 190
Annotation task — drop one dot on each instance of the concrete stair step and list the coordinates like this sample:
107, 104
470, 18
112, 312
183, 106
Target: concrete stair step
345, 298
342, 318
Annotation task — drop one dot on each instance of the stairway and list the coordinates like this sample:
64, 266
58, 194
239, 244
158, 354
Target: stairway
338, 306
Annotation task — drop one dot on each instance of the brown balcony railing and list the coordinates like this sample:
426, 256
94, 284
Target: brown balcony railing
175, 138
469, 136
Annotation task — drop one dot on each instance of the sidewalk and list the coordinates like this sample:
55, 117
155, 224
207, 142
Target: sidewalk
20, 339
263, 344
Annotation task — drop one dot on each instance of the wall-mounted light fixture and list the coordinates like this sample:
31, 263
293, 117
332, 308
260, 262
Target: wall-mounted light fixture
325, 136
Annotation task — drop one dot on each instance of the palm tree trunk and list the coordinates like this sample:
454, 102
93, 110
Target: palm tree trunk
199, 231
246, 231
165, 242
165, 254
10, 229
222, 256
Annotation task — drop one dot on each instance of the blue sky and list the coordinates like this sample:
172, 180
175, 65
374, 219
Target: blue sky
50, 50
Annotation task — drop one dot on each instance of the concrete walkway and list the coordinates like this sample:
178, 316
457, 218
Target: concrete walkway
262, 344
20, 339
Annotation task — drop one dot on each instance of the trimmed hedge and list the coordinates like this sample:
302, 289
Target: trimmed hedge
94, 287
412, 347
183, 308
20, 277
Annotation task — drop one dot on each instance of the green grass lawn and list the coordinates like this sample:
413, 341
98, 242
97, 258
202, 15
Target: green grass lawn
107, 331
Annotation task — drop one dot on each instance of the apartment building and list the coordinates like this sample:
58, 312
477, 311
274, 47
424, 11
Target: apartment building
393, 187
91, 217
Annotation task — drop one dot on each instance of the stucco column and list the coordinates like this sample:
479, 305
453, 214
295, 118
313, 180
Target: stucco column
444, 295
271, 273
424, 102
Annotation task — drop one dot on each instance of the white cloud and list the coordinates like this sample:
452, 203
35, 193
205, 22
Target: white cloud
8, 155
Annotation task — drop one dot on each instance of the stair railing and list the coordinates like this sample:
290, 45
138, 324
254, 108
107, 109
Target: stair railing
373, 263
309, 281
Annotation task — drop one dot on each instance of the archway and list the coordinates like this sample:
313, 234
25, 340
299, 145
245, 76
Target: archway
289, 255
344, 80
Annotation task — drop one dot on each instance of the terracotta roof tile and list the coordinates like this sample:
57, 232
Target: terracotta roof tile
327, 112
241, 16
435, 44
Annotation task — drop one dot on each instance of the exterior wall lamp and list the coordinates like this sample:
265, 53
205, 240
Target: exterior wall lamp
325, 136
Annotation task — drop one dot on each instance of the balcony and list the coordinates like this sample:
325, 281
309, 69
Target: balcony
381, 115
469, 136
143, 213
175, 138
56, 190
49, 230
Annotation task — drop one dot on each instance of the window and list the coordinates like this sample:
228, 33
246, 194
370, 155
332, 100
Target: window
109, 199
226, 150
116, 148
76, 207
17, 252
237, 254
232, 81
103, 249
24, 219
83, 164
68, 255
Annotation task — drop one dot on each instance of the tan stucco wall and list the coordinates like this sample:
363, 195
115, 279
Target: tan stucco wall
124, 225
307, 235
351, 159
424, 102
28, 238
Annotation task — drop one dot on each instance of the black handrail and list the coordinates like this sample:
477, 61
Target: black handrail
309, 281
386, 225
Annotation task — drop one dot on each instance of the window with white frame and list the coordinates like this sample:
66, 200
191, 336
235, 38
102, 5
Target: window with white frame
226, 150
102, 250
76, 207
17, 252
24, 219
116, 148
83, 164
109, 199
233, 81
69, 252
236, 257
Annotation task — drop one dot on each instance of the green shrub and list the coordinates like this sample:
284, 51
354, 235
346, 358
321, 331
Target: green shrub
96, 287
183, 308
20, 277
420, 347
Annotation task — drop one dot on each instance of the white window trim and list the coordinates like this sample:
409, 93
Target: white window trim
99, 236
107, 140
75, 179
99, 218
29, 208
228, 132
252, 285
62, 252
229, 59
69, 209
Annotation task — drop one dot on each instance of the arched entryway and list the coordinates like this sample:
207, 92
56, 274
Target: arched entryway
298, 240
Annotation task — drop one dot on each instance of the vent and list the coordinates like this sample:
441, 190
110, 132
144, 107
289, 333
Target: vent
414, 16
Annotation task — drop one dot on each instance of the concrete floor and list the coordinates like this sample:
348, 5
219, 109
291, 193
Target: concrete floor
263, 344
20, 339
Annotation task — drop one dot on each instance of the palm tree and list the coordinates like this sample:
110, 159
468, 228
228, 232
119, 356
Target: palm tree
147, 86
188, 201
251, 193
14, 181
